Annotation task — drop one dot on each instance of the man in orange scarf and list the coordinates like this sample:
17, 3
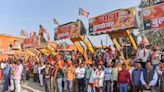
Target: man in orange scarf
46, 72
69, 76
142, 55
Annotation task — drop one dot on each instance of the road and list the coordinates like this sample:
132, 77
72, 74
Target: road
29, 86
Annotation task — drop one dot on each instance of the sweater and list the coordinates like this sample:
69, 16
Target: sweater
136, 76
123, 77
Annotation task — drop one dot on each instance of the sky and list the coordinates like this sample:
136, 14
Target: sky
29, 14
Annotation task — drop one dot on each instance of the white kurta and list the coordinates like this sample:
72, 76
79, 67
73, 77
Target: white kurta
99, 78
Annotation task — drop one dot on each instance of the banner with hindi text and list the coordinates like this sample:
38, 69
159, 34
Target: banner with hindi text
153, 17
117, 20
69, 30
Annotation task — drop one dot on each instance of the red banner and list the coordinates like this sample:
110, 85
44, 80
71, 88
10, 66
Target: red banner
116, 20
153, 17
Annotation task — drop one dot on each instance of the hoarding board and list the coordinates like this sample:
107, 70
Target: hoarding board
153, 17
16, 45
70, 30
29, 42
112, 21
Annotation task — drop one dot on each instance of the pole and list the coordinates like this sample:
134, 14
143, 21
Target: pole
102, 43
81, 45
91, 43
106, 40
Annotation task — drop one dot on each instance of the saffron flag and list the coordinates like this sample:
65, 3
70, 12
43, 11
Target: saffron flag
56, 22
24, 33
82, 12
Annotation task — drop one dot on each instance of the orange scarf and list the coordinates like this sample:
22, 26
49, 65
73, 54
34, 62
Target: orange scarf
54, 72
98, 73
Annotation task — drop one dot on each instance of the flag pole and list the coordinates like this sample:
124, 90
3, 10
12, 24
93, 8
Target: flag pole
106, 40
56, 22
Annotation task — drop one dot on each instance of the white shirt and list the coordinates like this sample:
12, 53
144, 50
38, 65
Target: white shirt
80, 72
3, 65
140, 54
152, 82
41, 68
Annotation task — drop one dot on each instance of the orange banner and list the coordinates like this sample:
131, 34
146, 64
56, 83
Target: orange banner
30, 42
153, 17
69, 30
10, 42
116, 20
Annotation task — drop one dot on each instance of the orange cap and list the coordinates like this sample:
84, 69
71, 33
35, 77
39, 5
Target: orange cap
144, 41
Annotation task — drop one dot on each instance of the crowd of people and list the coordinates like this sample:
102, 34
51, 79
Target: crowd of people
69, 72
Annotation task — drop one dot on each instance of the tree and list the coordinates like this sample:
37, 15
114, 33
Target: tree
147, 3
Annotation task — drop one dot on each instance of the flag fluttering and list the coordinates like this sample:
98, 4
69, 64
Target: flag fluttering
24, 33
56, 22
42, 29
82, 12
